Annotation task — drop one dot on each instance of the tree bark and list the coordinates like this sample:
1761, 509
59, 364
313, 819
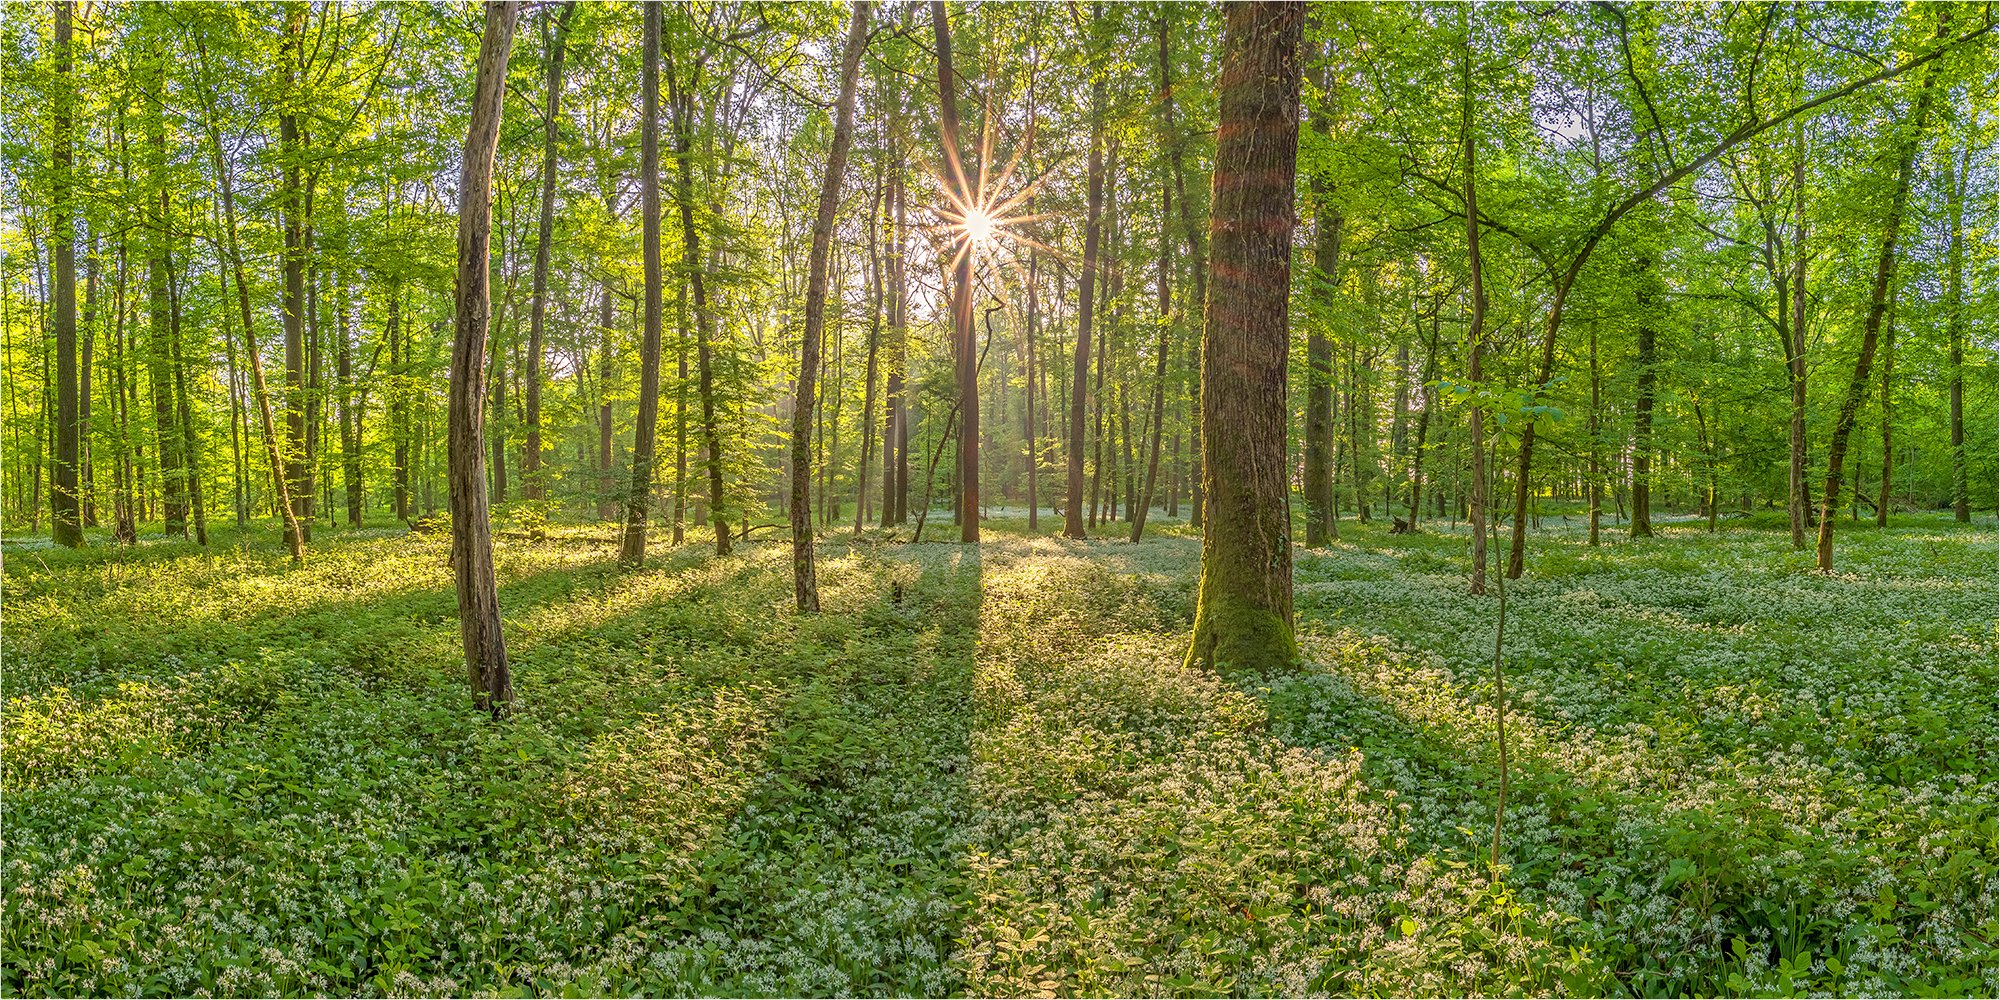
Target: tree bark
1878, 306
632, 550
1320, 526
471, 541
965, 364
1243, 615
1086, 306
1955, 182
711, 430
1475, 333
805, 579
532, 487
291, 147
67, 519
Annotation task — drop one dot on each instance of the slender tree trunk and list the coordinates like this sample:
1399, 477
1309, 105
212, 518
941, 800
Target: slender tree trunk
1243, 615
67, 519
1475, 333
632, 550
1956, 182
399, 404
532, 487
87, 475
471, 542
1878, 306
1797, 499
1086, 306
1888, 414
1642, 429
253, 355
607, 484
895, 416
1197, 258
291, 146
1165, 288
965, 363
159, 354
1595, 459
1320, 526
867, 421
711, 431
805, 579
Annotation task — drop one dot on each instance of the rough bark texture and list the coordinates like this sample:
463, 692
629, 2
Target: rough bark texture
1243, 616
67, 519
805, 581
471, 541
632, 550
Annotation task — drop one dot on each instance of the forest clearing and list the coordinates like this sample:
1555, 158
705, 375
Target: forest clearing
740, 498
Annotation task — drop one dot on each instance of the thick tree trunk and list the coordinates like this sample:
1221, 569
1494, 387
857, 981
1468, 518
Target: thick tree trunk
805, 579
532, 487
1878, 307
67, 519
1243, 616
471, 541
632, 550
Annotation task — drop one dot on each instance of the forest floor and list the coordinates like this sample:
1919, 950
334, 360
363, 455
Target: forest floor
986, 771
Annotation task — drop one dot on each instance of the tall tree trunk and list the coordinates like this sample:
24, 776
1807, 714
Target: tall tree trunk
867, 421
298, 483
294, 536
1086, 307
805, 580
711, 431
1878, 306
1475, 333
1797, 499
607, 486
67, 519
1595, 459
1165, 289
1642, 427
399, 404
895, 415
87, 476
471, 541
1955, 182
1320, 526
1888, 414
532, 487
632, 551
184, 420
965, 363
1197, 258
159, 353
1243, 615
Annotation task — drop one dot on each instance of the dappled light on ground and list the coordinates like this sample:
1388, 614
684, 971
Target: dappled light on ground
987, 771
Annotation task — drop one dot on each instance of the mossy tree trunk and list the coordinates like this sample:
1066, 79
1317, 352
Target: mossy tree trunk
1243, 618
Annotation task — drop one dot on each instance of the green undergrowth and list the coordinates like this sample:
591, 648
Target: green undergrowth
988, 772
